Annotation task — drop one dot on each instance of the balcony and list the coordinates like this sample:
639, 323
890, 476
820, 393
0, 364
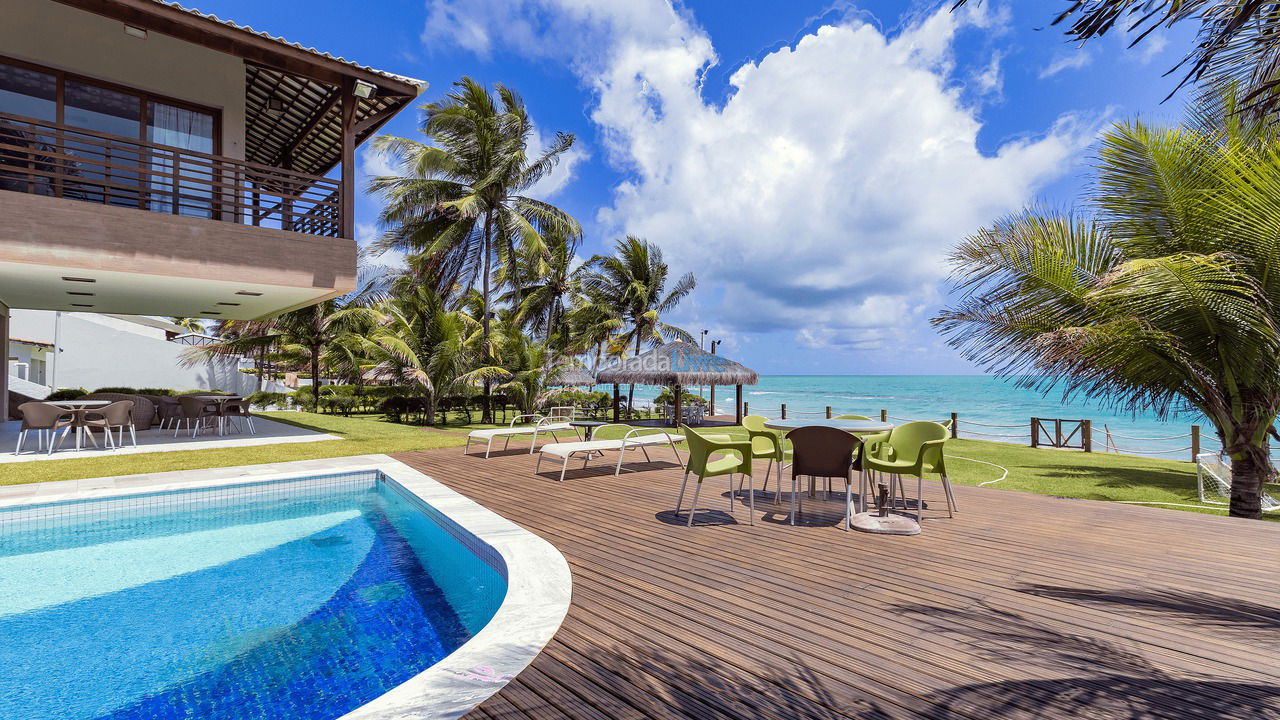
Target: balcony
44, 158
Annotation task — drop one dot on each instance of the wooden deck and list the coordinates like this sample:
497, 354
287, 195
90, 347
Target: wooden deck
1020, 607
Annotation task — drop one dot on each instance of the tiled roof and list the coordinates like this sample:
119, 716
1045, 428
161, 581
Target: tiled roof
299, 46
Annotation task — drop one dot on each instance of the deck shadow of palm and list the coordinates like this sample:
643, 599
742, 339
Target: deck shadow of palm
551, 471
1243, 619
672, 683
1180, 483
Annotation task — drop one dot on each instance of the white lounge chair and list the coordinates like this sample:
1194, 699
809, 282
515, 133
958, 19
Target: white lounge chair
542, 424
588, 448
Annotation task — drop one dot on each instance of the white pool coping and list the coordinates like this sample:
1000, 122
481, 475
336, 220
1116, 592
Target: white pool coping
539, 583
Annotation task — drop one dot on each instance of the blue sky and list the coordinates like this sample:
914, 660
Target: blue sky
810, 162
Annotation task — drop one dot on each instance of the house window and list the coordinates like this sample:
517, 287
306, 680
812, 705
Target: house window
106, 172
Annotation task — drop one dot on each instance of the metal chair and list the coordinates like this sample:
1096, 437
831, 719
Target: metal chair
233, 409
116, 416
46, 420
195, 410
822, 452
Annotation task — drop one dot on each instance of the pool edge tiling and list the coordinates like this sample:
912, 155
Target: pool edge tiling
538, 577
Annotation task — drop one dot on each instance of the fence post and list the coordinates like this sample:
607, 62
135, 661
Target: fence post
1195, 442
745, 411
884, 416
828, 412
1035, 432
1086, 435
955, 425
784, 411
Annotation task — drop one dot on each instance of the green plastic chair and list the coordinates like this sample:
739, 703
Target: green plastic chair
916, 448
734, 457
872, 441
768, 445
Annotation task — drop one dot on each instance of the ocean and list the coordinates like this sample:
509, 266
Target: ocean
982, 401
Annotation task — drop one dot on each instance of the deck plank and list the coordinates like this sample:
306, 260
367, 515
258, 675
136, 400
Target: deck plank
1020, 607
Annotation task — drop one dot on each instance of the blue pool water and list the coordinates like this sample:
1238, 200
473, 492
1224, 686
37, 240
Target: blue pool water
270, 601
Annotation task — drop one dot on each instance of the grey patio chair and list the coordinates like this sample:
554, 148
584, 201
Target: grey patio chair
195, 410
232, 409
46, 420
116, 416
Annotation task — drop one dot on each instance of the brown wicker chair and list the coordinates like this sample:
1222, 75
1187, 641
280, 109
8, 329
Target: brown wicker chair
144, 411
46, 420
116, 416
195, 410
233, 409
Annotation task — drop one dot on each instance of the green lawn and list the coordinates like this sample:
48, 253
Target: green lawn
1063, 473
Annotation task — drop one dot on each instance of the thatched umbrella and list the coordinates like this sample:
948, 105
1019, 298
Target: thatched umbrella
678, 365
573, 377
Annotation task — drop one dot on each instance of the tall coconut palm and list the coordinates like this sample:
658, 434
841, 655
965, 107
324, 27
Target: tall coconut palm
533, 367
459, 204
1168, 296
1237, 41
635, 278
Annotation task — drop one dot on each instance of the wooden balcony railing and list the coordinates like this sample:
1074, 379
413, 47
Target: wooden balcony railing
46, 158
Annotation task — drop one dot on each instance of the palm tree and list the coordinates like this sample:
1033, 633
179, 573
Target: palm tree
458, 202
548, 280
1237, 41
420, 342
532, 367
190, 324
305, 334
635, 279
1167, 298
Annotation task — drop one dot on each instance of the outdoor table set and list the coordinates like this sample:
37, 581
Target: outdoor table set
882, 522
49, 418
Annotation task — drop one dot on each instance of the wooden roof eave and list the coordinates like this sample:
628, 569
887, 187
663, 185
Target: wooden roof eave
178, 23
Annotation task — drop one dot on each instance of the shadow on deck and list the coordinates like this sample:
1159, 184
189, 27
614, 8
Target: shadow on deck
1022, 607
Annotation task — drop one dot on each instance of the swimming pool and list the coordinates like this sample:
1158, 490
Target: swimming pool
298, 597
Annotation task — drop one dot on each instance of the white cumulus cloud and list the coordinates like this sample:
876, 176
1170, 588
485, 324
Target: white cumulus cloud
1070, 60
821, 196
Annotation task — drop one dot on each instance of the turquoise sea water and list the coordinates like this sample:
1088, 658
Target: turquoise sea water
977, 399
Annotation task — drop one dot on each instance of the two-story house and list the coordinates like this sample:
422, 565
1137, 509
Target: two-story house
156, 160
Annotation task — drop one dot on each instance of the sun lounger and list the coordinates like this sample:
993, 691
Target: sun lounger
588, 448
549, 425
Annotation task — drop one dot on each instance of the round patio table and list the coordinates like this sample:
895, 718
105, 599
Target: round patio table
891, 524
857, 427
588, 426
78, 407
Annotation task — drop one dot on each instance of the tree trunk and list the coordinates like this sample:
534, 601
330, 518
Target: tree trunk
431, 409
486, 413
1250, 468
315, 378
631, 389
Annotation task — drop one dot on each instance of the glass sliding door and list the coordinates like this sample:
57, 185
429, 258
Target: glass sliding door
26, 163
110, 171
183, 187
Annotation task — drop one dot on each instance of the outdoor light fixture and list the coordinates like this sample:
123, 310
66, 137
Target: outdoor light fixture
137, 32
84, 294
78, 279
209, 312
364, 90
80, 305
230, 304
250, 294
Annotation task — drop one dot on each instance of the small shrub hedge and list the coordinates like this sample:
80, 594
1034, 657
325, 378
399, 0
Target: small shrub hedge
67, 394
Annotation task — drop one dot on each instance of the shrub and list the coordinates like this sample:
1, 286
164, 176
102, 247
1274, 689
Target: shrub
164, 392
266, 399
686, 398
118, 390
67, 394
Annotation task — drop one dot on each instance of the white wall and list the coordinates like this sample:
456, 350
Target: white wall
99, 351
59, 36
